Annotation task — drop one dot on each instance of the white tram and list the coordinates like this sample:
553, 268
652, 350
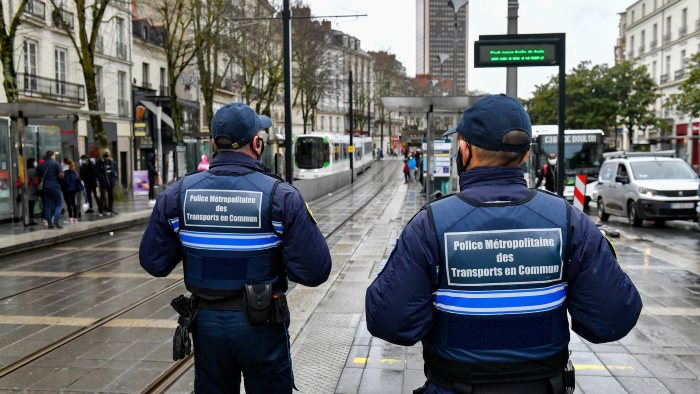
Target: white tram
320, 154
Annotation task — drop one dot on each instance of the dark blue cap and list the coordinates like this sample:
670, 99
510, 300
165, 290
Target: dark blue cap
486, 122
239, 123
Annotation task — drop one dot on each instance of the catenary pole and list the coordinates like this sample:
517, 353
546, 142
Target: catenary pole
352, 132
286, 21
561, 158
512, 72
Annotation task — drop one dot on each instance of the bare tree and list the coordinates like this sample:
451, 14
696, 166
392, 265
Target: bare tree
90, 15
212, 34
256, 48
178, 39
314, 62
7, 47
387, 83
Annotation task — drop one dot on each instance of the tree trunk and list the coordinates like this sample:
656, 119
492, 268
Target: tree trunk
9, 73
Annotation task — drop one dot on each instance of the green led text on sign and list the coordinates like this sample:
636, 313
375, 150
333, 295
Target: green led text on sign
511, 54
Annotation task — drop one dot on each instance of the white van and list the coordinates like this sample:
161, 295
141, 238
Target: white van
647, 186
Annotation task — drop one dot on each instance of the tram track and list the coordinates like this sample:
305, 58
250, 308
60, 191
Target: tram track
177, 370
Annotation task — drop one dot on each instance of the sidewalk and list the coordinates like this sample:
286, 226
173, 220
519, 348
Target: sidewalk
15, 237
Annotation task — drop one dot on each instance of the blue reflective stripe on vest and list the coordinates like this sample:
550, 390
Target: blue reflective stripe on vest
223, 241
500, 302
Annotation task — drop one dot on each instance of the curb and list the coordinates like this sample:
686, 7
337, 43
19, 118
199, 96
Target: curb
22, 242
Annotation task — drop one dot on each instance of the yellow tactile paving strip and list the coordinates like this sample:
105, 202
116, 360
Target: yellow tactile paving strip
97, 249
86, 275
391, 361
84, 321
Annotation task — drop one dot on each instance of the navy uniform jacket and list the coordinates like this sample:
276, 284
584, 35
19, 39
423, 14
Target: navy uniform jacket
603, 303
304, 250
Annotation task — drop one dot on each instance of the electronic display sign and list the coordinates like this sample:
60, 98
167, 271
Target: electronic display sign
508, 51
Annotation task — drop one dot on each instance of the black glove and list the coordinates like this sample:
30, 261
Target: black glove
182, 345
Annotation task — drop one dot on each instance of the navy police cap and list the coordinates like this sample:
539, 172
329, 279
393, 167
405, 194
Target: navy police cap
239, 123
486, 122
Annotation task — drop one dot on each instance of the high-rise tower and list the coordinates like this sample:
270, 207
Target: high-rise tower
435, 35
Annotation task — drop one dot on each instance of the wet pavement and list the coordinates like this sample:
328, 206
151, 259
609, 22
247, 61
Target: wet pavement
331, 349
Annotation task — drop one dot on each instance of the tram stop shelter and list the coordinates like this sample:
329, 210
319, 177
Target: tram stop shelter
18, 113
436, 109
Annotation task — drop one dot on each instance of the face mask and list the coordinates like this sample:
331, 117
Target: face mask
552, 162
463, 167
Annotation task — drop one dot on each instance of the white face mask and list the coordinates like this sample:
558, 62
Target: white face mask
552, 162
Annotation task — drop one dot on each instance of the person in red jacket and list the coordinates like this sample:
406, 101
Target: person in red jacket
405, 171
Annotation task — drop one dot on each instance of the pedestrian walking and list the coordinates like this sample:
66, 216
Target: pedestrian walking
405, 171
204, 164
107, 176
152, 176
548, 174
237, 268
47, 176
412, 167
69, 187
485, 278
89, 178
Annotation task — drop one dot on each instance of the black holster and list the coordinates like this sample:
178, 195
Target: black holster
182, 345
261, 304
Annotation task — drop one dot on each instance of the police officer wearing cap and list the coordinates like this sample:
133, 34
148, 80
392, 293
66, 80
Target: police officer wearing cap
241, 233
485, 277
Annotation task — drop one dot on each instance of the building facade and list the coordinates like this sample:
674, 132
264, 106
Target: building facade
435, 40
662, 34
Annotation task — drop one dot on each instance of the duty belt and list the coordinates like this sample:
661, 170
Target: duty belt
234, 303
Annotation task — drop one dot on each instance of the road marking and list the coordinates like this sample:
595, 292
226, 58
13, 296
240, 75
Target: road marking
662, 311
84, 321
67, 248
87, 274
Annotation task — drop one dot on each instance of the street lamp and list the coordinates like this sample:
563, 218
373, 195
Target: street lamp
456, 6
442, 57
434, 82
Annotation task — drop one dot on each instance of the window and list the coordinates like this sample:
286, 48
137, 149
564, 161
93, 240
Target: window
144, 30
311, 152
684, 17
644, 37
668, 64
668, 25
144, 75
682, 60
162, 81
653, 71
632, 21
622, 171
656, 32
323, 123
120, 31
337, 123
60, 67
30, 70
336, 152
121, 85
98, 79
644, 9
655, 5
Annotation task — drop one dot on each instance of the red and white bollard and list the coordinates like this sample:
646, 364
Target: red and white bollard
580, 191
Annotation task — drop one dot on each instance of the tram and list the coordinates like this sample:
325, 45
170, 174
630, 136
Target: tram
321, 154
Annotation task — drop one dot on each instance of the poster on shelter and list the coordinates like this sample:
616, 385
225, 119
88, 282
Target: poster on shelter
141, 185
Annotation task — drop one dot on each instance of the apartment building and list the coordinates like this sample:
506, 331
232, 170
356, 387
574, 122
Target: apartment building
662, 34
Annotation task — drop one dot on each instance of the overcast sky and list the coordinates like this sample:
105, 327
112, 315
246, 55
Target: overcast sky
591, 28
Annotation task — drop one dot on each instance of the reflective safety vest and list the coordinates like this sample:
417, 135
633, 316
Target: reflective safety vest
500, 299
227, 235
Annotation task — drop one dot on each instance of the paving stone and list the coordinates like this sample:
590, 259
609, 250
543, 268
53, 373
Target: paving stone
587, 363
133, 380
412, 379
600, 384
643, 385
95, 380
357, 352
682, 386
60, 379
665, 366
381, 381
623, 365
25, 377
349, 382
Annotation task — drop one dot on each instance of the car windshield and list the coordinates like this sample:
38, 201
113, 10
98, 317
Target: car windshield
658, 169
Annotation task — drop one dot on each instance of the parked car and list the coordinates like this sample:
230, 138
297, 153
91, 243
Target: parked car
647, 186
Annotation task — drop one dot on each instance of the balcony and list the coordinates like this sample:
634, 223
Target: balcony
123, 108
682, 32
663, 79
653, 45
226, 84
641, 50
30, 85
679, 74
62, 19
667, 38
630, 55
164, 91
35, 9
146, 85
121, 51
99, 45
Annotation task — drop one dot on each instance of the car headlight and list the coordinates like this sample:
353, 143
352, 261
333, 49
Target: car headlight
649, 192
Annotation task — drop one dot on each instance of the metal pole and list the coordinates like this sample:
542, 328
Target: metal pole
562, 116
454, 58
512, 72
429, 154
159, 155
352, 132
287, 22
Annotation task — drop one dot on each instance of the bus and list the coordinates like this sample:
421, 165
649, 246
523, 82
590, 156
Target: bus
583, 151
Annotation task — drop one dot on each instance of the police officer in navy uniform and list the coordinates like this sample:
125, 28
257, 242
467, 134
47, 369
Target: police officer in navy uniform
485, 277
240, 231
